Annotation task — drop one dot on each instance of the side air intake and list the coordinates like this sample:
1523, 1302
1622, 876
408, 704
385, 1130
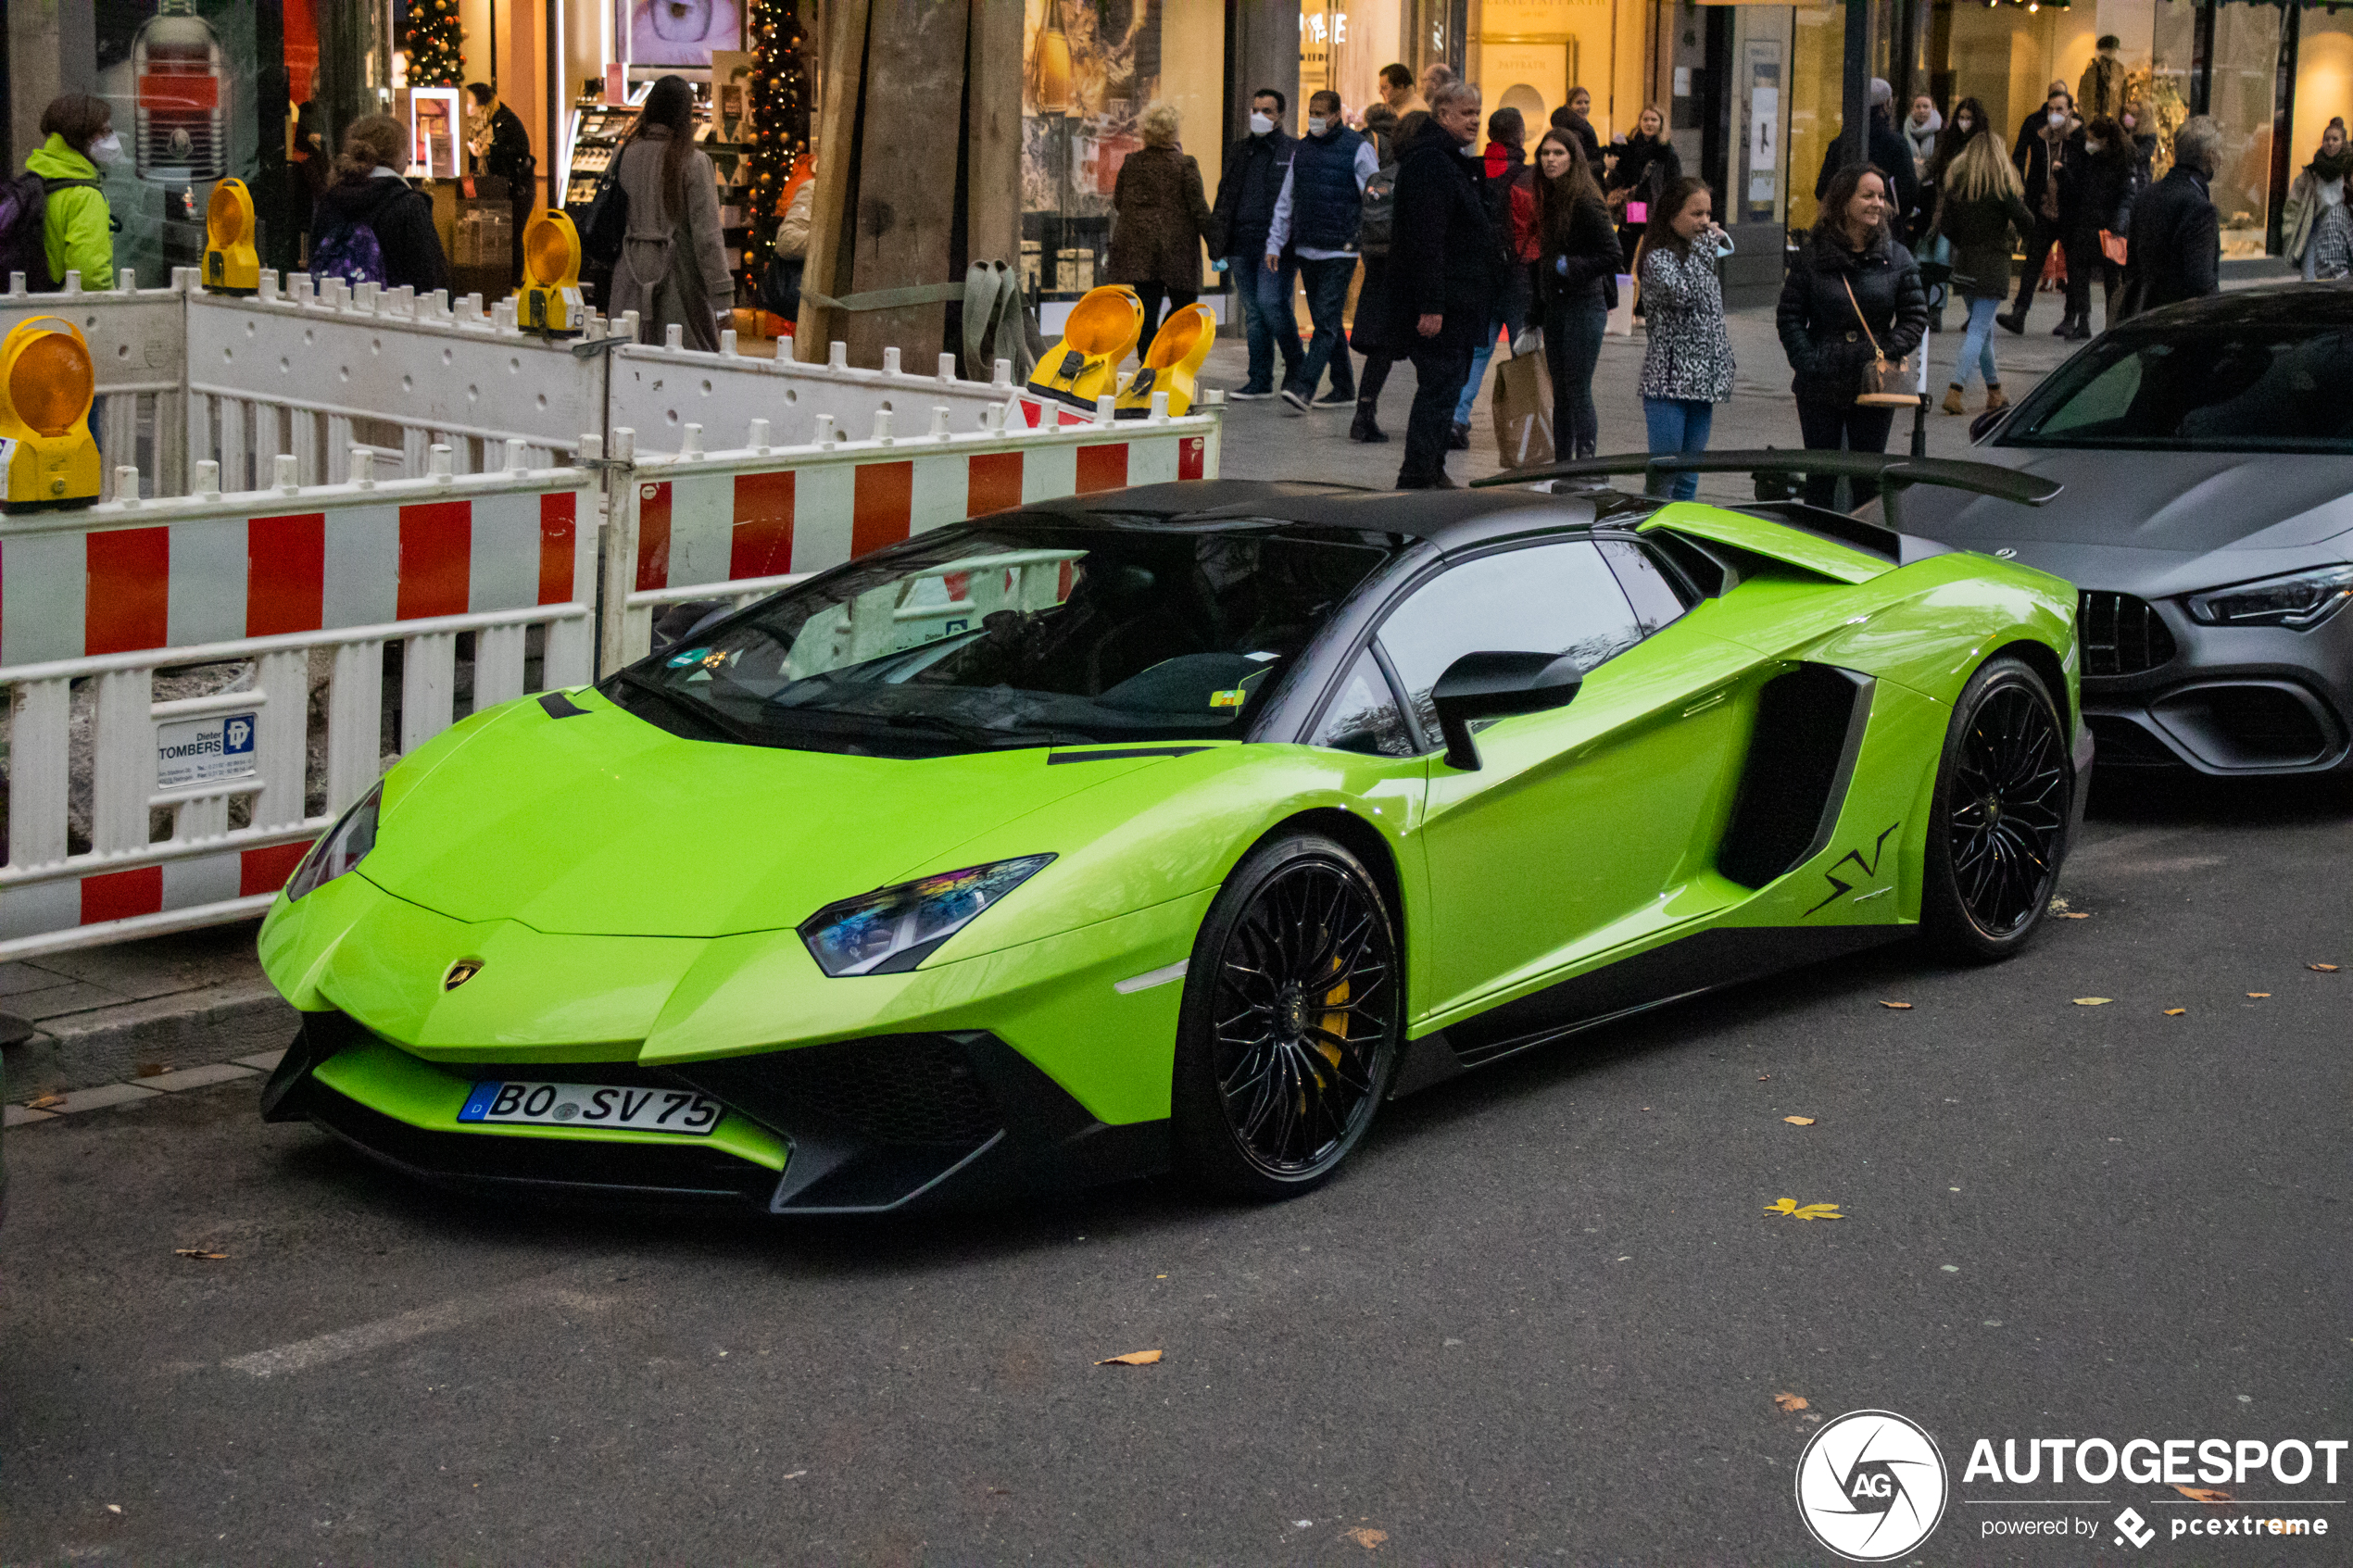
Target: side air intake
1809, 726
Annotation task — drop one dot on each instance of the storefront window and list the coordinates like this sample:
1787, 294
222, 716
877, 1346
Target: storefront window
2323, 78
1531, 52
1342, 46
2247, 58
2164, 89
1817, 83
1091, 67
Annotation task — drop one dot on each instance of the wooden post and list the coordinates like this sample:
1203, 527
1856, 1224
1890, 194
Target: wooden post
905, 204
992, 152
830, 240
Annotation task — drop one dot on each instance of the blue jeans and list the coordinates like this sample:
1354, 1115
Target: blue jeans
1267, 317
1977, 342
1676, 425
1326, 300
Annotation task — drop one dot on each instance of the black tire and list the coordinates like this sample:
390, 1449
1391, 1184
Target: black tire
1998, 829
1292, 1023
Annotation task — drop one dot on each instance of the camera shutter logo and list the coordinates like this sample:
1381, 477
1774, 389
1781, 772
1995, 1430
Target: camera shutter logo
1871, 1486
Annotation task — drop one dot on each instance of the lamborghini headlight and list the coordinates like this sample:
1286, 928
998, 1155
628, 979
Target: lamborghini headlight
344, 846
893, 929
2301, 600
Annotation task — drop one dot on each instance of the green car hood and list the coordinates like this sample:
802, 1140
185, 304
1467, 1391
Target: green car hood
603, 824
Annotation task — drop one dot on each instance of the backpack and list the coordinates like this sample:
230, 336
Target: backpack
1380, 211
350, 251
24, 212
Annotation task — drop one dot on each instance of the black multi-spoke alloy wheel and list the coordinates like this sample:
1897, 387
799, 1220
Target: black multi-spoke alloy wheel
2005, 790
1292, 1015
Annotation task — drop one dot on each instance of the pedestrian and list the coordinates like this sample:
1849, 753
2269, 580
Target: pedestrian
77, 227
1160, 216
1398, 92
371, 226
1509, 190
501, 147
2316, 225
1577, 267
2175, 249
1247, 188
2100, 94
1316, 216
2143, 141
1442, 275
1436, 74
1374, 336
1647, 164
2032, 123
672, 269
1888, 152
2102, 214
1576, 116
1687, 370
1381, 130
2048, 161
1921, 130
1982, 201
1853, 297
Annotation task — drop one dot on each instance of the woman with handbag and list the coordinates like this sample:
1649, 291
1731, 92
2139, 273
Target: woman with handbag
1576, 268
1646, 165
672, 267
2103, 217
1851, 310
1981, 202
1687, 370
2317, 224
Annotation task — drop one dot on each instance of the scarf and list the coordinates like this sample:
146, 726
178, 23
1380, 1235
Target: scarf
2328, 171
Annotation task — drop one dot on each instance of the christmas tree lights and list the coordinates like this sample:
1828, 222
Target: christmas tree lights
432, 44
780, 108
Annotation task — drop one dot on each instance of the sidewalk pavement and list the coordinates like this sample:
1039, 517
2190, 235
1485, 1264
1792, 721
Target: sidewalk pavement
107, 1024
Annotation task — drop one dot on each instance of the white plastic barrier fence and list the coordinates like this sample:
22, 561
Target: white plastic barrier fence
138, 355
93, 603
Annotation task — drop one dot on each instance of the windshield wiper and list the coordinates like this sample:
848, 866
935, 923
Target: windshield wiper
977, 734
701, 713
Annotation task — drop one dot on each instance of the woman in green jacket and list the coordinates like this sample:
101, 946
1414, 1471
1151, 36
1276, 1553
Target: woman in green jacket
77, 230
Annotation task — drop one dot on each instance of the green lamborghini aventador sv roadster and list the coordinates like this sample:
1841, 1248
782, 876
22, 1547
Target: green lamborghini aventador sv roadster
1176, 826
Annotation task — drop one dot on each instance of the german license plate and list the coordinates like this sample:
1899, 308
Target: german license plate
593, 1105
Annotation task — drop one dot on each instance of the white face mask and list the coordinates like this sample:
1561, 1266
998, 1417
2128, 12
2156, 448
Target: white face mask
2056, 118
1260, 125
107, 149
1316, 125
1962, 125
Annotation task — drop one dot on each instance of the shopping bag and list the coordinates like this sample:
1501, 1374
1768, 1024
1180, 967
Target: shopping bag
1621, 315
1523, 405
2113, 246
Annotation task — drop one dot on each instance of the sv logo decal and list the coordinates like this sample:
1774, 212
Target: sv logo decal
1865, 869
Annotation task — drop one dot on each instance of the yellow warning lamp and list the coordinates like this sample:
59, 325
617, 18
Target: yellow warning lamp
230, 264
549, 302
1084, 364
46, 386
1171, 365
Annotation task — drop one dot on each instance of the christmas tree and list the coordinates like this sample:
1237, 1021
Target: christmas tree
780, 109
432, 44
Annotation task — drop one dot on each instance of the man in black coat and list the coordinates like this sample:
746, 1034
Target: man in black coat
1442, 275
1248, 188
2051, 159
507, 155
1891, 154
2175, 251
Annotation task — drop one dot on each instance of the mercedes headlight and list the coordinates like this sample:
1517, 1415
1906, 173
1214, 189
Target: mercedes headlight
344, 846
2301, 600
894, 929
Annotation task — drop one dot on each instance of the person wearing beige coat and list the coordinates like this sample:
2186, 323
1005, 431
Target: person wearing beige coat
673, 269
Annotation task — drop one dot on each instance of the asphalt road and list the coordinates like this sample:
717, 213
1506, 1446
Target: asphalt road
1543, 1318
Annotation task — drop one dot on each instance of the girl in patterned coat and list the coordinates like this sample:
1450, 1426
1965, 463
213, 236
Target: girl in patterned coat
1688, 368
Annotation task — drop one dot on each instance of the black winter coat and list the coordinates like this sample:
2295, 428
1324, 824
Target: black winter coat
1594, 258
2176, 248
1890, 154
2104, 192
1441, 254
402, 217
1248, 188
1826, 347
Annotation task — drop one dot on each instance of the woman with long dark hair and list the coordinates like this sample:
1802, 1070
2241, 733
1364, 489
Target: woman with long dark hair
1688, 368
1576, 268
1853, 296
674, 266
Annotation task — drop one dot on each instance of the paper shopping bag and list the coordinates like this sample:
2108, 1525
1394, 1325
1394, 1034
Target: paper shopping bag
1621, 315
1523, 405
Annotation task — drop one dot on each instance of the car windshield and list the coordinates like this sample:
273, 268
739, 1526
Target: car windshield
2268, 388
974, 638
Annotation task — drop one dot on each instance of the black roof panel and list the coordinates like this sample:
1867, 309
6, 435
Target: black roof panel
1446, 517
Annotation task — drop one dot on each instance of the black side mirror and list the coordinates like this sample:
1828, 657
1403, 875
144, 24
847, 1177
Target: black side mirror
1982, 426
1491, 685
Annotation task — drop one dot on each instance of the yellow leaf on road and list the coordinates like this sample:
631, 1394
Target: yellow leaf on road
1899, 1006
1799, 1121
1791, 1402
2073, 914
2324, 968
2176, 1012
196, 1252
1786, 1206
1133, 1358
1365, 1536
2259, 993
45, 1102
2202, 1494
2093, 1002
1820, 1211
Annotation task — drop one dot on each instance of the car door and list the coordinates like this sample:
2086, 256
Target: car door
1582, 823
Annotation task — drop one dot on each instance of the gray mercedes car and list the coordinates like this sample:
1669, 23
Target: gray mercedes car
2207, 451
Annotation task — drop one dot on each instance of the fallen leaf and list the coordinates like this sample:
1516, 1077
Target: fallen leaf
1899, 1006
196, 1252
2203, 1494
1764, 1077
2093, 1002
1365, 1536
2176, 1012
1820, 1211
1799, 1121
114, 1508
1791, 1402
1786, 1206
2322, 967
2066, 914
2259, 993
45, 1102
1133, 1358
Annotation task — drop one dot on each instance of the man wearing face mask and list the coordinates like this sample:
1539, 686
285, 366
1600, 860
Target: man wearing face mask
1252, 181
77, 228
1321, 205
2052, 163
